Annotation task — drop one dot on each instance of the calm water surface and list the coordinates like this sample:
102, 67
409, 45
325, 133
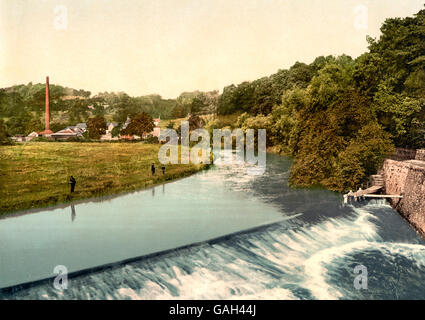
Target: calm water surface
306, 248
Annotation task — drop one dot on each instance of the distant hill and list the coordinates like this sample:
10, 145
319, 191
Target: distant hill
22, 106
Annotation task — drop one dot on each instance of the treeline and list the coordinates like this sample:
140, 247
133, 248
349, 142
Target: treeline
22, 106
340, 117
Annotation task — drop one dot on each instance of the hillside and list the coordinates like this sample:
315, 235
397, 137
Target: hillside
22, 106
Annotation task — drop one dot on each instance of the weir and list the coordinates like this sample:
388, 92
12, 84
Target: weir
113, 265
369, 193
95, 235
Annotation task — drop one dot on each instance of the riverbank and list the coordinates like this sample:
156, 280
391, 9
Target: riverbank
35, 175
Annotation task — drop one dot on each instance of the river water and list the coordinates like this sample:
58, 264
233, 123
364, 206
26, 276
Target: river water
269, 242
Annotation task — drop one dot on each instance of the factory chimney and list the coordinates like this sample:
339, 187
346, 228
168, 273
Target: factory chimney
47, 117
47, 132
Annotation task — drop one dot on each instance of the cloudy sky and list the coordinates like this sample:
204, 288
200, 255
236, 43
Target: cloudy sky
171, 46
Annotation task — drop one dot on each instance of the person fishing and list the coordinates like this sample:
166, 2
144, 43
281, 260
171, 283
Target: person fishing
72, 182
153, 169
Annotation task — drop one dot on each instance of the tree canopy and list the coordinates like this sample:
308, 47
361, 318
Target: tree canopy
340, 117
140, 124
96, 127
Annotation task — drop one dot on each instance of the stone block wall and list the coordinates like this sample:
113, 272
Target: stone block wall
420, 154
407, 178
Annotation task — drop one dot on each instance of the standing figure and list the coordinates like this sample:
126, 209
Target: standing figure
153, 169
163, 169
72, 182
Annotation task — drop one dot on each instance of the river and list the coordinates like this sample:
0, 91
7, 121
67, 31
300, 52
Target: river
224, 234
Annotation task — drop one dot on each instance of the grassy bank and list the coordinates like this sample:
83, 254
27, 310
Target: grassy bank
36, 174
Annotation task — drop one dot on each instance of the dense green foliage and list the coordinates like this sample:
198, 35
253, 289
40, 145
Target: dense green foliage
195, 122
122, 106
96, 127
196, 103
339, 117
4, 135
140, 124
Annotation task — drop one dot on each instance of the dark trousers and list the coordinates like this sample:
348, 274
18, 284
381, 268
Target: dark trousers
72, 187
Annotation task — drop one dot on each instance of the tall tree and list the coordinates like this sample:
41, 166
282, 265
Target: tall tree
4, 135
140, 124
96, 127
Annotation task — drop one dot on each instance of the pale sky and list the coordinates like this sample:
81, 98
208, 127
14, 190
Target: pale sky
171, 46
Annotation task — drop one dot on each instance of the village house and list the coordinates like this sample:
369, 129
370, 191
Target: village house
156, 129
79, 129
82, 126
68, 132
127, 137
23, 138
108, 134
126, 123
110, 126
18, 138
31, 136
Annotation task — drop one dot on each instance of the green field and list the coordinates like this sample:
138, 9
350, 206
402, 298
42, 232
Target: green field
36, 174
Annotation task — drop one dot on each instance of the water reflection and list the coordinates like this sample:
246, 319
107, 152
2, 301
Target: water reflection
153, 192
73, 215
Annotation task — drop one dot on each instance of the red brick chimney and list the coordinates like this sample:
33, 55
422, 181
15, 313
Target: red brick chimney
47, 131
47, 123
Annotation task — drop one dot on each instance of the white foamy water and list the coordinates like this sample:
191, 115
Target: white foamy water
278, 262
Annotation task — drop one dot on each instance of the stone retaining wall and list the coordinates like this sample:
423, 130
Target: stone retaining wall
420, 154
408, 179
402, 154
